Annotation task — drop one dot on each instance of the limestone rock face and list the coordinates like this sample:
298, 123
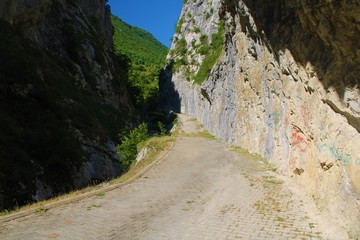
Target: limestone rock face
286, 86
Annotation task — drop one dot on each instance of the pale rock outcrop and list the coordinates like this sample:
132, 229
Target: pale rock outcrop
286, 86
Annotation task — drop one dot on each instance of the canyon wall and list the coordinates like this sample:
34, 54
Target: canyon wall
286, 86
63, 98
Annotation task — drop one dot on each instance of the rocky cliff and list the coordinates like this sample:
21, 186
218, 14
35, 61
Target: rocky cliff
63, 98
284, 85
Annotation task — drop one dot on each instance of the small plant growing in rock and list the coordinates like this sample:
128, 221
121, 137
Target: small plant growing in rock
208, 15
193, 43
179, 25
127, 150
197, 30
212, 53
203, 39
162, 128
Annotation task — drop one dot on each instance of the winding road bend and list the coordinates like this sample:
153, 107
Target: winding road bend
201, 189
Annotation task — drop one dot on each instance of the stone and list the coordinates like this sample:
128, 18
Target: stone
142, 154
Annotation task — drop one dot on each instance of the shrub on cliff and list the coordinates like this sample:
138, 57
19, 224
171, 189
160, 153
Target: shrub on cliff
127, 150
212, 52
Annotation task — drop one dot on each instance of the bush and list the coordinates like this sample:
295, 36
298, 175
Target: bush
127, 150
213, 52
204, 50
162, 128
197, 30
179, 26
203, 39
181, 48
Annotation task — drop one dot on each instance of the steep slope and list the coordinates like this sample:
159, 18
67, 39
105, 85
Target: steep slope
137, 43
63, 98
285, 85
147, 57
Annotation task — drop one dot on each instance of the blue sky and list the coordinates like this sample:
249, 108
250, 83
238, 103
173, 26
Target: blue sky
159, 17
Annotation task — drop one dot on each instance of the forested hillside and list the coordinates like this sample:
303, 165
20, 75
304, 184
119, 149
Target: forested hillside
146, 56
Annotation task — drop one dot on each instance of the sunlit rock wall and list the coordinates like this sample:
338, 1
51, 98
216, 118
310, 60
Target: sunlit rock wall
287, 87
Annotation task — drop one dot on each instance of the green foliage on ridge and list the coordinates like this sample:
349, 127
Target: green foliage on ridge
147, 57
138, 44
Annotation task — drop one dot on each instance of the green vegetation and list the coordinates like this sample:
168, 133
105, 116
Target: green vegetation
212, 53
139, 45
208, 15
128, 149
179, 25
197, 30
41, 209
137, 138
156, 144
146, 56
201, 134
311, 225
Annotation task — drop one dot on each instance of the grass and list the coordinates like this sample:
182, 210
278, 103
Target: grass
93, 206
260, 173
260, 163
280, 219
40, 209
271, 180
201, 134
205, 134
39, 205
100, 195
311, 225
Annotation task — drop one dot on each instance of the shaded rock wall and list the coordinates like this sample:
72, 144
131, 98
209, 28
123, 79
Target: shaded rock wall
287, 87
74, 61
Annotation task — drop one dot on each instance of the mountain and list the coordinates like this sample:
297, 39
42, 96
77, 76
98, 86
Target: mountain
147, 58
280, 79
63, 98
140, 45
